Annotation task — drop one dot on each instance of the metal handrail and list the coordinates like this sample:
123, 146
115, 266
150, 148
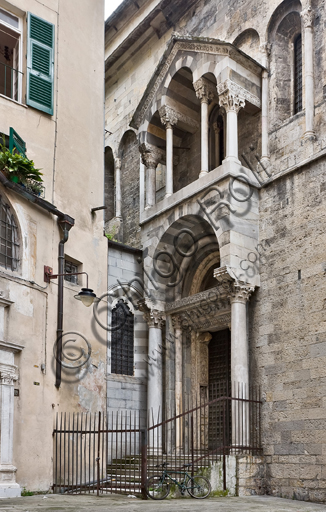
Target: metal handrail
14, 95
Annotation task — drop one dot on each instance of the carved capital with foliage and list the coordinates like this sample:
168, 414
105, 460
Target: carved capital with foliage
205, 90
151, 156
8, 374
169, 117
308, 17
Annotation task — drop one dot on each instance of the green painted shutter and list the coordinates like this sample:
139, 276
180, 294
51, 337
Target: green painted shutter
40, 64
15, 141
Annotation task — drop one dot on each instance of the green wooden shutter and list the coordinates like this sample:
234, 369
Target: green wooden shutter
15, 141
40, 64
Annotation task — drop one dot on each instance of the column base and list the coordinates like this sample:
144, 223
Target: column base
202, 173
232, 159
168, 194
311, 135
8, 485
265, 160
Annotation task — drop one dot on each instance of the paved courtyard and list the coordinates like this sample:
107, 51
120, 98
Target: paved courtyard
56, 503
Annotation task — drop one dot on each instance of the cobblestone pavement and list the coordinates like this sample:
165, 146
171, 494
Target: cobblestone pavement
56, 503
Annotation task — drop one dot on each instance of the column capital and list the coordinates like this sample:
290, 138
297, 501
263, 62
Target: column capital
266, 49
205, 90
237, 291
241, 292
117, 163
169, 117
153, 317
151, 156
176, 321
231, 96
8, 374
204, 337
308, 16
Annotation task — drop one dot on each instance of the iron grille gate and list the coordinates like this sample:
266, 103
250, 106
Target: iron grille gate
95, 453
113, 454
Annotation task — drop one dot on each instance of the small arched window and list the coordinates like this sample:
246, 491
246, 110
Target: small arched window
122, 340
9, 246
216, 138
298, 74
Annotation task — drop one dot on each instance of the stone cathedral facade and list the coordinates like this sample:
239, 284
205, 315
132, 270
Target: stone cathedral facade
215, 160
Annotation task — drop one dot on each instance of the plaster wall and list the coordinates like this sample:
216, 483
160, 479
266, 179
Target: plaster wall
68, 147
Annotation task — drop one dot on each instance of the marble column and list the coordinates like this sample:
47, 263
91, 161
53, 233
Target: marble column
155, 320
217, 155
151, 156
232, 101
205, 91
308, 19
240, 362
176, 322
117, 162
169, 118
265, 50
8, 374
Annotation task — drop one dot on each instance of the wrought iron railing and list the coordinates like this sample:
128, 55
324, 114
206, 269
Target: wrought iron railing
114, 453
10, 81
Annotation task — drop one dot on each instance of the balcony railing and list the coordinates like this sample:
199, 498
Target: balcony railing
10, 81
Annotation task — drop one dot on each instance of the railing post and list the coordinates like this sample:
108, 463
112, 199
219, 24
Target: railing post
192, 444
225, 402
98, 453
143, 447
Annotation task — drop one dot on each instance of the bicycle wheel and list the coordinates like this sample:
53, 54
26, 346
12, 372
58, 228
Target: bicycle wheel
156, 488
199, 487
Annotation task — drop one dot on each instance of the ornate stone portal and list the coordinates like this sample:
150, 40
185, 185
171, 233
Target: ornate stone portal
8, 375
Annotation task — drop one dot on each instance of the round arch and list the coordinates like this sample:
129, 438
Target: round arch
183, 254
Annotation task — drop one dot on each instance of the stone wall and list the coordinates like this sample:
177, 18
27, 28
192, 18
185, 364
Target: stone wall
127, 392
130, 159
288, 334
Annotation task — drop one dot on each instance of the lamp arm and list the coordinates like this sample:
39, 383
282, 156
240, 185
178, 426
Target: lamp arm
54, 276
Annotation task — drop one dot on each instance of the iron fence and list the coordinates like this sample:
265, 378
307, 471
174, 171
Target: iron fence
113, 454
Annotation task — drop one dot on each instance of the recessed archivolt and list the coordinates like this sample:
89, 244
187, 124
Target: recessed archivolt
285, 8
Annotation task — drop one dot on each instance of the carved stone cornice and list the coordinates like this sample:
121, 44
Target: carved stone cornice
4, 302
224, 276
241, 292
151, 155
205, 90
308, 17
214, 296
8, 374
169, 117
232, 96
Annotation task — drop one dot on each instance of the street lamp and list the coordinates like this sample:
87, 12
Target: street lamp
86, 295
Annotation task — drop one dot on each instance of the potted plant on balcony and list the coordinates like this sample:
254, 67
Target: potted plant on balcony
19, 169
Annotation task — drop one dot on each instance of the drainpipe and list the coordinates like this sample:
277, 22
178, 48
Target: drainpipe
65, 225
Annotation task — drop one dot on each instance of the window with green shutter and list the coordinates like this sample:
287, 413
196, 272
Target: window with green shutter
40, 64
15, 141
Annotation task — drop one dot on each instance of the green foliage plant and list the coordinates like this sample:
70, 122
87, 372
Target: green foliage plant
20, 169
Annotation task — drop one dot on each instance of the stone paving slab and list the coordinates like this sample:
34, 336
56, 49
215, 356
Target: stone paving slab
58, 503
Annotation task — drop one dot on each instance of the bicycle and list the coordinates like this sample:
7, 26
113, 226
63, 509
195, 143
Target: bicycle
158, 487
